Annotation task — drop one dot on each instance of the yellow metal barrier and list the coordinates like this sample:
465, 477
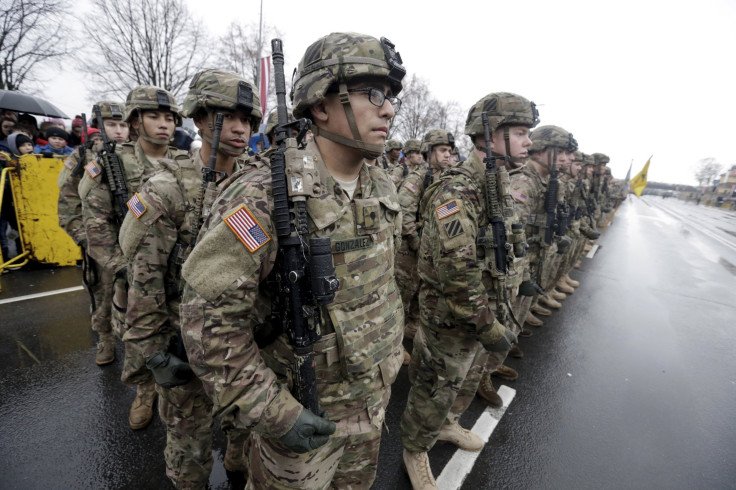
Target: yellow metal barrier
35, 195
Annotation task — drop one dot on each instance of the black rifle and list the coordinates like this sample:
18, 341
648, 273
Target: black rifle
305, 274
113, 167
82, 148
494, 204
550, 201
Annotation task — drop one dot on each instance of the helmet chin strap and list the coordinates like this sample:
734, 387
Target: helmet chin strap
224, 148
368, 150
514, 162
150, 139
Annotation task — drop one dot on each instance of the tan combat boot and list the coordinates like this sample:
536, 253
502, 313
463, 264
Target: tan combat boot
516, 352
141, 411
407, 356
505, 372
563, 286
578, 264
533, 320
420, 473
572, 282
488, 393
547, 301
461, 437
525, 332
557, 295
105, 349
540, 310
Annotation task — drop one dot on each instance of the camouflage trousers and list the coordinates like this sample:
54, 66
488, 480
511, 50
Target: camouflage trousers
119, 305
101, 290
349, 459
445, 370
407, 278
496, 359
187, 413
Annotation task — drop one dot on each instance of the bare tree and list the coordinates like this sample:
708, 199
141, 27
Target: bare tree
706, 170
31, 35
144, 42
240, 48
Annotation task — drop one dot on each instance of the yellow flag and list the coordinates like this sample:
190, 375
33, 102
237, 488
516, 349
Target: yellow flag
639, 182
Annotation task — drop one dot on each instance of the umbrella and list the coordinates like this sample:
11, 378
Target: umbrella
16, 101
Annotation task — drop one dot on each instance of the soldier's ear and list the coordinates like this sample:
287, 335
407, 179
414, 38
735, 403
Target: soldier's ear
319, 112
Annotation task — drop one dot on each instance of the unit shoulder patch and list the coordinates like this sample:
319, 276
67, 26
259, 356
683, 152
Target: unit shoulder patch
454, 228
247, 228
447, 209
137, 206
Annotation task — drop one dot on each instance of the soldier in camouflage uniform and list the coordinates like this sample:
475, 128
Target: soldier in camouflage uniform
156, 238
359, 353
394, 164
529, 190
459, 293
154, 114
98, 280
436, 146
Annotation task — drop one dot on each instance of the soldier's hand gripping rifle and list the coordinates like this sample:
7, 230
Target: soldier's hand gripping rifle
114, 171
305, 273
83, 148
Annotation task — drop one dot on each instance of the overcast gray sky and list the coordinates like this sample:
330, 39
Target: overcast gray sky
627, 78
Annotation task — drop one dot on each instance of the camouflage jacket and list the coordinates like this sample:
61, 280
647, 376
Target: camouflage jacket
397, 171
455, 277
226, 298
155, 243
101, 221
69, 207
410, 194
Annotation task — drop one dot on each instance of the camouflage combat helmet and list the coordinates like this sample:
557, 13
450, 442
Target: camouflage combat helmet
412, 145
437, 137
218, 89
552, 136
393, 145
601, 159
588, 159
503, 109
149, 98
273, 120
108, 110
578, 156
332, 62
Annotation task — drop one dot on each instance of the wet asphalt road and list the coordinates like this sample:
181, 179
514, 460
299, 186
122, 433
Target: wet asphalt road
632, 384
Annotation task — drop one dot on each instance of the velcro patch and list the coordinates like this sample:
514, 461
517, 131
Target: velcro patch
247, 229
394, 179
447, 209
136, 206
411, 187
454, 228
92, 169
519, 196
69, 164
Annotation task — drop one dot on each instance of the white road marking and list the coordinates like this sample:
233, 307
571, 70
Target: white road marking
41, 295
592, 252
461, 463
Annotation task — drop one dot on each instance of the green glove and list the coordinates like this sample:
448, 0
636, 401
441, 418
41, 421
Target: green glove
502, 343
593, 234
563, 244
530, 288
168, 370
308, 433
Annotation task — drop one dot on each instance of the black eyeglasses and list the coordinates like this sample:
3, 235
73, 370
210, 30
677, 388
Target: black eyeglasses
377, 97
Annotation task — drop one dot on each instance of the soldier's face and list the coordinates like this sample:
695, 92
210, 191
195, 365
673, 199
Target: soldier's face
519, 141
564, 158
441, 154
116, 129
236, 129
394, 155
576, 167
589, 171
372, 121
415, 157
157, 124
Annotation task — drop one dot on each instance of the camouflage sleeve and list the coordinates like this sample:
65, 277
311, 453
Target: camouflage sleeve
147, 242
100, 224
69, 207
220, 309
525, 199
409, 196
451, 233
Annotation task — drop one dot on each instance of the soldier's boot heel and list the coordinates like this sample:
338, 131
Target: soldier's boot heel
141, 411
419, 471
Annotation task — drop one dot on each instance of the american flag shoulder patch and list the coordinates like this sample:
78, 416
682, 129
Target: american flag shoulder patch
247, 229
69, 164
447, 209
519, 196
137, 206
92, 169
411, 187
